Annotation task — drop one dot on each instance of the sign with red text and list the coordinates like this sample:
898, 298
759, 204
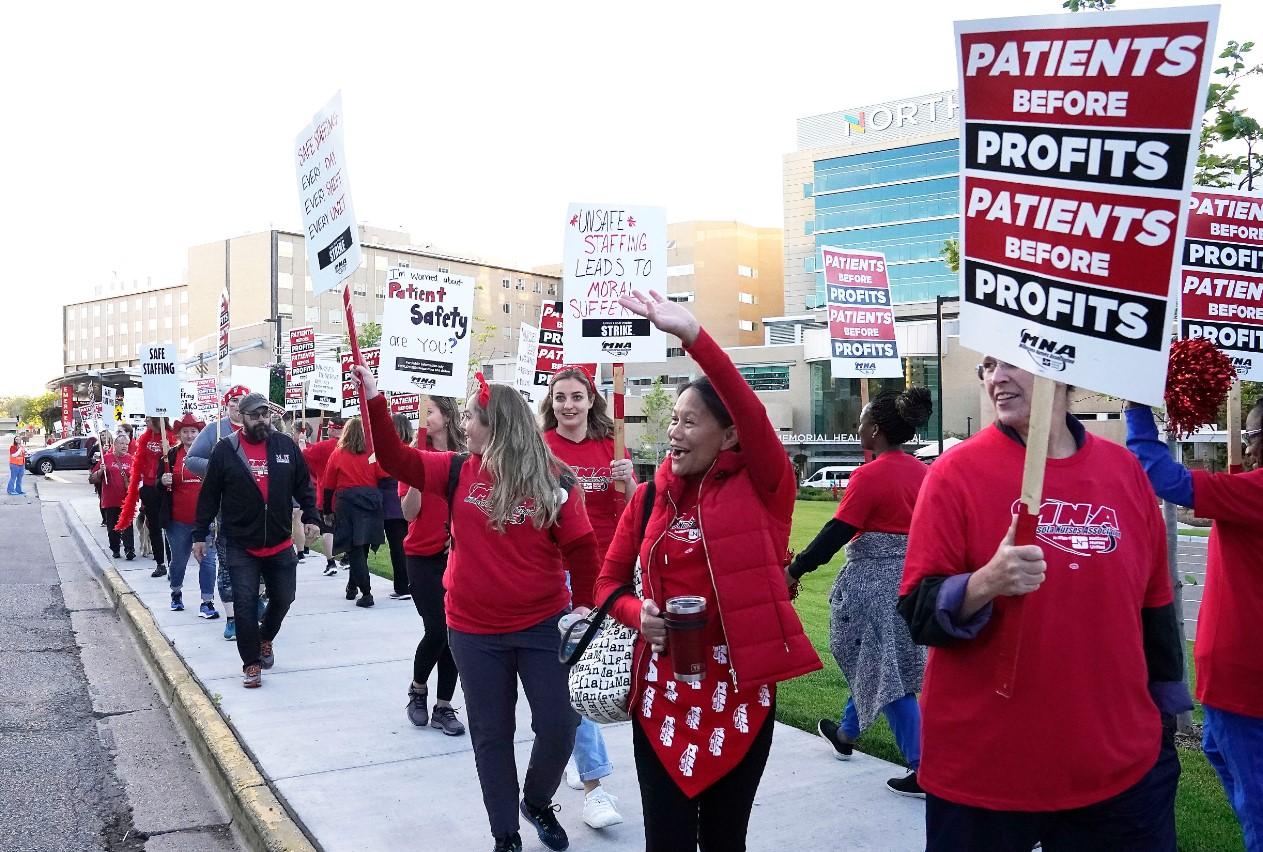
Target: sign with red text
67, 409
1221, 280
407, 404
294, 393
861, 319
207, 398
610, 251
224, 322
1079, 134
426, 324
524, 369
302, 351
350, 394
324, 192
160, 377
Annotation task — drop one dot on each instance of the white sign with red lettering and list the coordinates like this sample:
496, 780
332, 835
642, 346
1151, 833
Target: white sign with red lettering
426, 325
1079, 134
861, 320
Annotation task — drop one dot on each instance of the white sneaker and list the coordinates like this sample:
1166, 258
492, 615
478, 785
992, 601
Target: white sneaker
599, 810
573, 781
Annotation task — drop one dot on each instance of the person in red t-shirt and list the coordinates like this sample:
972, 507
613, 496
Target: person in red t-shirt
425, 554
581, 434
1081, 753
1228, 653
871, 643
145, 470
317, 456
516, 520
348, 491
181, 488
111, 471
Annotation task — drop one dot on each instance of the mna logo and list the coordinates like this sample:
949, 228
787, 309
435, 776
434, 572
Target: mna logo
1046, 352
854, 123
620, 349
866, 367
1243, 365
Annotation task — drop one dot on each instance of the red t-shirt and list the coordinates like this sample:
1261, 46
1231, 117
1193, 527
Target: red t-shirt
146, 453
317, 457
257, 461
427, 533
1229, 647
1081, 665
114, 491
348, 470
590, 460
881, 495
185, 487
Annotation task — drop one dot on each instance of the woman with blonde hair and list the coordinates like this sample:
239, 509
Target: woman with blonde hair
349, 490
517, 517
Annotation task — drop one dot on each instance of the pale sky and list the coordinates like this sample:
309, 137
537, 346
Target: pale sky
133, 132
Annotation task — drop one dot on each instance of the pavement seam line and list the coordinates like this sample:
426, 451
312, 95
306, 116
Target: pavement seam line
264, 821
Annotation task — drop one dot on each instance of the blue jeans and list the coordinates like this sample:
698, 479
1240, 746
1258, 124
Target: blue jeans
1234, 746
180, 537
590, 757
904, 716
16, 472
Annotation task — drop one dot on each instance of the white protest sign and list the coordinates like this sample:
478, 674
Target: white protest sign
160, 376
425, 333
254, 379
109, 399
1079, 134
609, 252
324, 391
861, 320
134, 406
188, 396
333, 241
524, 370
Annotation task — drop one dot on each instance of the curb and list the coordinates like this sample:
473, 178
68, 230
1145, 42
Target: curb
258, 813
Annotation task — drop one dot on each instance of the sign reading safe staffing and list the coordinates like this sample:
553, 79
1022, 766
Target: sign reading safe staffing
425, 333
1078, 139
861, 320
1221, 282
160, 377
609, 252
333, 241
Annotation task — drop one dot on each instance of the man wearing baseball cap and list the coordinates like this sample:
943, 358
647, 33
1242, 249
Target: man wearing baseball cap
251, 483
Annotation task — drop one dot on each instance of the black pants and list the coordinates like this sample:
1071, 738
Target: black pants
357, 558
127, 538
717, 818
490, 667
425, 580
245, 570
1139, 819
149, 503
396, 531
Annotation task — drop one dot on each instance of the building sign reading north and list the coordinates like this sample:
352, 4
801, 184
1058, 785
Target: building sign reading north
934, 113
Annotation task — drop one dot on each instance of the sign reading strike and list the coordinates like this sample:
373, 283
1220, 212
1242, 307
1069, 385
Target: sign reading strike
861, 320
1079, 137
609, 252
350, 395
1221, 283
333, 241
160, 377
302, 351
425, 333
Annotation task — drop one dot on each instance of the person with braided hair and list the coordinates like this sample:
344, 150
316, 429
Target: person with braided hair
871, 643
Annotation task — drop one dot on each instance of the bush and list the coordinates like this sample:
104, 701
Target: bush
821, 495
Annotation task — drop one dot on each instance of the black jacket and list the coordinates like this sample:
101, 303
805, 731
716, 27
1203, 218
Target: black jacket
229, 490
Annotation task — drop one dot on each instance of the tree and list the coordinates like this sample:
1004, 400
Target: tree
656, 406
46, 408
950, 253
1229, 123
1088, 5
14, 406
370, 335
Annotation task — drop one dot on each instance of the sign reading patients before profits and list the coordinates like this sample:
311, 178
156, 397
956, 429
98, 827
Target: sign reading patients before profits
324, 193
609, 252
324, 392
351, 394
1078, 139
425, 333
861, 320
302, 351
1221, 281
160, 377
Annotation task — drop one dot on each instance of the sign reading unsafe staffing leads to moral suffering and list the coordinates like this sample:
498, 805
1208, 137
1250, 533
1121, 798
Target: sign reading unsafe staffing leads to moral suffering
861, 320
1079, 136
426, 324
324, 192
160, 378
1221, 281
610, 251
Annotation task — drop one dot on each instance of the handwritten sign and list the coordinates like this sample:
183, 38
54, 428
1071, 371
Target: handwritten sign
1078, 140
302, 351
160, 377
333, 240
350, 394
609, 252
524, 369
109, 402
425, 332
324, 390
861, 320
188, 396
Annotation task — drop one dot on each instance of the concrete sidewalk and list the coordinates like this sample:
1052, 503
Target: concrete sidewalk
329, 733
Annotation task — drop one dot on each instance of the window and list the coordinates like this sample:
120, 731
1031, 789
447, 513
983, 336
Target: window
285, 281
504, 282
552, 289
96, 310
122, 307
807, 190
359, 288
380, 291
335, 316
109, 309
747, 298
166, 299
747, 272
675, 351
772, 378
313, 314
153, 323
508, 333
681, 297
747, 325
283, 308
380, 261
683, 269
363, 260
184, 297
284, 248
521, 285
505, 307
635, 418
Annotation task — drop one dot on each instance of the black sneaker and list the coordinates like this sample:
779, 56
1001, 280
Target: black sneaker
444, 718
906, 786
508, 843
116, 554
350, 592
829, 730
550, 832
417, 712
131, 554
366, 600
160, 571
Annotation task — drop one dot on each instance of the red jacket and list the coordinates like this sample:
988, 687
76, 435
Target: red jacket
745, 511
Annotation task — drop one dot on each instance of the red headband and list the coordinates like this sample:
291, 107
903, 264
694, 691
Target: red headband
484, 390
586, 369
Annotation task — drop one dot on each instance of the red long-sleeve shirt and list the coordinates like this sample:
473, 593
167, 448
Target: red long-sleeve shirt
346, 469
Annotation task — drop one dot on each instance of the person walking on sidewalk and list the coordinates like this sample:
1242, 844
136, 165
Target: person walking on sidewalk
17, 465
251, 481
718, 530
393, 520
145, 473
580, 433
351, 494
112, 471
317, 456
870, 642
425, 549
517, 518
179, 511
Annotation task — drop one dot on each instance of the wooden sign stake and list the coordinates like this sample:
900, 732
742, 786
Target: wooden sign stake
1234, 428
620, 442
868, 455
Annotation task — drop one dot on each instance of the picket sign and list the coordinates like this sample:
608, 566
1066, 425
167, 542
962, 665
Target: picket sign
354, 336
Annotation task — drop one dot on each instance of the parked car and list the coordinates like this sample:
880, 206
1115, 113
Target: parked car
830, 476
66, 454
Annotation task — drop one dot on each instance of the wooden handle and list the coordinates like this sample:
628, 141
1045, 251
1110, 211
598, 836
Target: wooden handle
354, 336
620, 438
1234, 428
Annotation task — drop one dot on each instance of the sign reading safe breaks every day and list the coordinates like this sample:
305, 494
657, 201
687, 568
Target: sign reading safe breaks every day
333, 241
425, 333
861, 320
609, 252
1079, 138
1221, 283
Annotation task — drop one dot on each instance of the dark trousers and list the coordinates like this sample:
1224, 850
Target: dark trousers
149, 503
357, 558
279, 571
717, 819
425, 581
127, 538
490, 667
1139, 819
396, 531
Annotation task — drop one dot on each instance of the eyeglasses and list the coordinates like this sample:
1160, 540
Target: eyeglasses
989, 366
257, 414
1248, 435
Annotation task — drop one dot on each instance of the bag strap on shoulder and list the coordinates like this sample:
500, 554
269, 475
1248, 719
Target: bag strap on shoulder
453, 480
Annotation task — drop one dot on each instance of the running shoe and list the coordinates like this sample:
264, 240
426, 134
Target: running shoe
177, 602
207, 610
230, 629
544, 819
253, 677
906, 786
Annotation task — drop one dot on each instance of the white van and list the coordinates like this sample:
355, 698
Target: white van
832, 476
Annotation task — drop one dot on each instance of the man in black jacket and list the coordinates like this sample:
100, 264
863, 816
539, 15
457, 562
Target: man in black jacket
251, 482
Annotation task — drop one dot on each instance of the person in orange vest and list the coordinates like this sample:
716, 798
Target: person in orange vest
17, 465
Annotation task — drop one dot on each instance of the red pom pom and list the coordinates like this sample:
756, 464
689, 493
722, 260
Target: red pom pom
1199, 377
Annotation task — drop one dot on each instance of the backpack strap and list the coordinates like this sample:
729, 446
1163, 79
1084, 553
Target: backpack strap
453, 479
650, 488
